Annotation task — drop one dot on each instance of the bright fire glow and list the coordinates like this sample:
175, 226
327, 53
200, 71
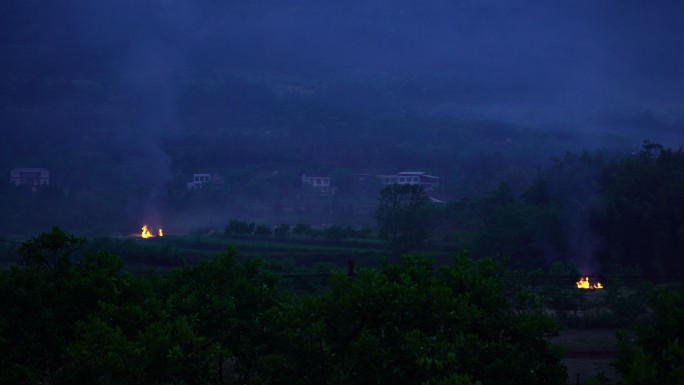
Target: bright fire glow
583, 283
146, 232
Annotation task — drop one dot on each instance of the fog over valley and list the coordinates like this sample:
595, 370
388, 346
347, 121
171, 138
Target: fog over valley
123, 101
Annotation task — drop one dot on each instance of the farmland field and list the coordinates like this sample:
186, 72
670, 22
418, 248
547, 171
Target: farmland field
588, 352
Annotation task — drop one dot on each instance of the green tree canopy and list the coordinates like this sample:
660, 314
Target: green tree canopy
224, 322
412, 324
643, 211
653, 353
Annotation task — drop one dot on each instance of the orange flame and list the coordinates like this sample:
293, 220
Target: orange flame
583, 283
146, 232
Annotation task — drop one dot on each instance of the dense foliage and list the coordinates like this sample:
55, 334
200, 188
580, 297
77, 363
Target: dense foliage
84, 320
643, 211
414, 324
652, 351
590, 210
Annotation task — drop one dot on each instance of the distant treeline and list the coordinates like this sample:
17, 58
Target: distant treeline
590, 209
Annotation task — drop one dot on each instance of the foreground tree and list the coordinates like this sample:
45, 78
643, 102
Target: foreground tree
42, 301
223, 322
228, 299
86, 321
643, 214
52, 250
653, 353
412, 324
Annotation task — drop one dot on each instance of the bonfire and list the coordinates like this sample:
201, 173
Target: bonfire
584, 283
146, 233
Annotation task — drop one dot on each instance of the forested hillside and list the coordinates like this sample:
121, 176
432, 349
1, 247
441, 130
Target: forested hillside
123, 102
596, 211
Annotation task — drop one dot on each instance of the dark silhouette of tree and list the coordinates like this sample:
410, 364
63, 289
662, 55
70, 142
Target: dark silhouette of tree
653, 353
49, 249
643, 211
282, 230
402, 216
238, 227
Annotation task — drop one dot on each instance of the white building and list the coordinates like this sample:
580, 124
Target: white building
316, 181
429, 182
199, 180
321, 183
34, 177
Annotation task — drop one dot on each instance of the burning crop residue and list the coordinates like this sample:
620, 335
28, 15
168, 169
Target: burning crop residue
584, 283
146, 233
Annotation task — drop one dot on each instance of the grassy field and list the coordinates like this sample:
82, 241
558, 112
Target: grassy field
588, 352
299, 253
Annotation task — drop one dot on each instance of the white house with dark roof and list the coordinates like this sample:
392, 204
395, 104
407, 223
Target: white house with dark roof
202, 180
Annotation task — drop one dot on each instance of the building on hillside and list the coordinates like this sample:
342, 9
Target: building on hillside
34, 177
428, 182
320, 183
204, 180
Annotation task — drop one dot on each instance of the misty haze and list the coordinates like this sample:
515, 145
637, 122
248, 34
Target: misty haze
300, 162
